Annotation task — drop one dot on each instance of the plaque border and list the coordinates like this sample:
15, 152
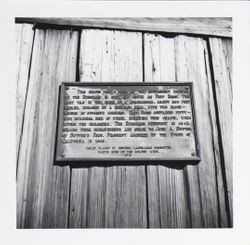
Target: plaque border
59, 125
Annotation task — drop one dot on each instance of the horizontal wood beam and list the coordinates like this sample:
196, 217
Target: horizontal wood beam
217, 26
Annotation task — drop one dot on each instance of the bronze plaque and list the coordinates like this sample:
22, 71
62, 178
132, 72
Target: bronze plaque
126, 121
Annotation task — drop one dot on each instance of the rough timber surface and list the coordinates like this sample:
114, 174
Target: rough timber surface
109, 196
221, 52
194, 195
156, 196
43, 189
200, 26
167, 202
24, 39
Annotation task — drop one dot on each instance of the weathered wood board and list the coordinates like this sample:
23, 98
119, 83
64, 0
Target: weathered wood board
167, 196
221, 53
124, 196
193, 54
112, 196
187, 197
43, 189
221, 26
24, 41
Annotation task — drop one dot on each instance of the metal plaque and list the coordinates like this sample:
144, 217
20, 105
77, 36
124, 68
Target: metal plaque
126, 121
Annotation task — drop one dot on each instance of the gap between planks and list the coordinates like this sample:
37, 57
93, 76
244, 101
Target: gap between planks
221, 68
23, 79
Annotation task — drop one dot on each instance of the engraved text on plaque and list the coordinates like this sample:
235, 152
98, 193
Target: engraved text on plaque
121, 121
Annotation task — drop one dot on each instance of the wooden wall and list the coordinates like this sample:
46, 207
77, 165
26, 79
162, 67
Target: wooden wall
115, 196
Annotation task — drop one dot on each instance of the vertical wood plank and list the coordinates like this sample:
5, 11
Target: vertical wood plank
43, 188
167, 202
221, 53
112, 196
24, 40
194, 196
204, 180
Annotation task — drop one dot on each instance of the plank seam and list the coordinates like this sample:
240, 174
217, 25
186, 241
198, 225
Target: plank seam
69, 200
213, 143
87, 201
187, 187
77, 78
78, 56
104, 199
201, 208
146, 167
159, 197
25, 100
143, 57
223, 166
147, 209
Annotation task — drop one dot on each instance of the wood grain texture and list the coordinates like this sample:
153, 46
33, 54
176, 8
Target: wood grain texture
43, 188
110, 196
167, 201
221, 52
24, 40
203, 26
194, 196
205, 180
119, 196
